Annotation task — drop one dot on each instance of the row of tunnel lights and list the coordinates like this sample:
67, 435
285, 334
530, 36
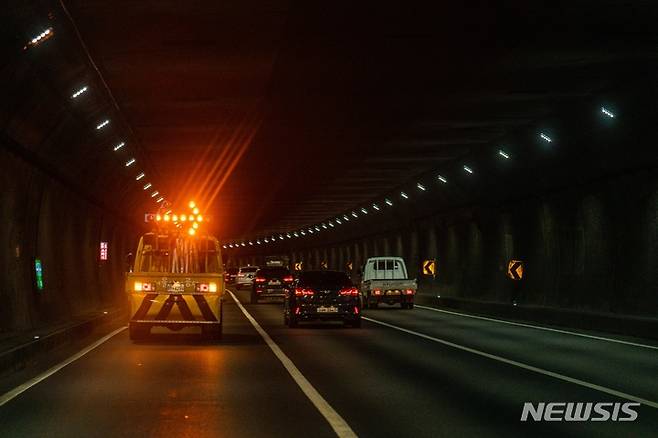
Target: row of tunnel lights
49, 33
375, 206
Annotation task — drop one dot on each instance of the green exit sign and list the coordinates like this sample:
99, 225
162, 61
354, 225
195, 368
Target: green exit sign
38, 273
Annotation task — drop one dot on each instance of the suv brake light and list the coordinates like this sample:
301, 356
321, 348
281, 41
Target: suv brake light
288, 279
409, 292
303, 292
260, 280
377, 292
349, 291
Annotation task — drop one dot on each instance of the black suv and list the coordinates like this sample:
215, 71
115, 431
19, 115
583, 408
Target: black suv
270, 283
323, 296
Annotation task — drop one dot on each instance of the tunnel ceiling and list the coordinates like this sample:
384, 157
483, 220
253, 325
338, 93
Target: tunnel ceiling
278, 114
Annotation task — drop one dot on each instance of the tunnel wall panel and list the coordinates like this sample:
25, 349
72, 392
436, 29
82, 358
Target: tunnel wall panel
591, 248
44, 219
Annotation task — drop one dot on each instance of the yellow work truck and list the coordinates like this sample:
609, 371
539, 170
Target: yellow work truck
176, 285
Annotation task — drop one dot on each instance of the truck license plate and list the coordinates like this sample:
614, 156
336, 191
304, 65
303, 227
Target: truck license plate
392, 292
328, 309
274, 282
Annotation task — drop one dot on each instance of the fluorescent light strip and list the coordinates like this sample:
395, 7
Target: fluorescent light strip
130, 162
545, 137
103, 124
140, 176
119, 146
404, 195
503, 154
421, 187
154, 194
607, 112
468, 169
375, 206
354, 214
46, 34
79, 92
147, 186
442, 179
388, 202
160, 199
364, 211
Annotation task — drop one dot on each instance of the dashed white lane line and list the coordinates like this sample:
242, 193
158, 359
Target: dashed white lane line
8, 396
548, 329
337, 423
559, 376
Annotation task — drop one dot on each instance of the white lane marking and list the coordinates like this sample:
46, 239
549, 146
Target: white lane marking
548, 329
6, 397
337, 423
521, 365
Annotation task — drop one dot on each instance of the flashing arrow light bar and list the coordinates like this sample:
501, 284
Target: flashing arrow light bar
194, 218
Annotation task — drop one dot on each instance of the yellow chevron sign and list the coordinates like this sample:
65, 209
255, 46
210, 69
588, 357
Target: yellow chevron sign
299, 266
429, 267
515, 269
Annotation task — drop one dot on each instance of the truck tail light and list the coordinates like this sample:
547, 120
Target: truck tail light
303, 292
212, 287
349, 291
356, 310
377, 292
288, 279
409, 292
202, 287
260, 280
143, 287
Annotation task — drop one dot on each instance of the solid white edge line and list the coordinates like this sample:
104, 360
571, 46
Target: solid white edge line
521, 365
8, 396
337, 423
537, 327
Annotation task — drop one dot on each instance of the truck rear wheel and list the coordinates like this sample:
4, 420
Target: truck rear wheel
138, 332
212, 332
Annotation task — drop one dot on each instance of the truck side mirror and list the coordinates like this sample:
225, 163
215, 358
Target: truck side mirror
130, 260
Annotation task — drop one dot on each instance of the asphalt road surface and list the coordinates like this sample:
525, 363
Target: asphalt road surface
416, 373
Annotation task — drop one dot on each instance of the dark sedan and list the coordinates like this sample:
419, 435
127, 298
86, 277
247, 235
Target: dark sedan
322, 296
270, 283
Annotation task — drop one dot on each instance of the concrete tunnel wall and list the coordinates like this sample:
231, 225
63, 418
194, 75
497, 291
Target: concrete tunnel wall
42, 218
590, 248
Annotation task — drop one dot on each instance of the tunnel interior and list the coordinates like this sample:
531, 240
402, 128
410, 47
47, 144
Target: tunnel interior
330, 134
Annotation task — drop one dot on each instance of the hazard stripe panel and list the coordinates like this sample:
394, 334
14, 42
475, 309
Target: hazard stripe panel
175, 307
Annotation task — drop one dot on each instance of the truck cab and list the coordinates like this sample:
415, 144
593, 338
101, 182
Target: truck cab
176, 285
385, 280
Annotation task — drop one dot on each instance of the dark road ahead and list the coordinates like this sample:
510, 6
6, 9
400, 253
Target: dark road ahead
382, 380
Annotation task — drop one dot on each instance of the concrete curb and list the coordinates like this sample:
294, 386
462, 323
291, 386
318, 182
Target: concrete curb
19, 356
641, 327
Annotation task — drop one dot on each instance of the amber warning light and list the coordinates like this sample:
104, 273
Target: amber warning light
156, 217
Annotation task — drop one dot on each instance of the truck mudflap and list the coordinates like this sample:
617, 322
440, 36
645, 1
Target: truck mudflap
176, 311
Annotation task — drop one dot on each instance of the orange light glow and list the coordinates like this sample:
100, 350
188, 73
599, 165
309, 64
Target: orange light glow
158, 217
195, 225
166, 218
183, 217
191, 231
195, 211
192, 204
199, 218
175, 218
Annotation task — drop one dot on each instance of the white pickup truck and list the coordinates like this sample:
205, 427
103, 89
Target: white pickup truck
385, 280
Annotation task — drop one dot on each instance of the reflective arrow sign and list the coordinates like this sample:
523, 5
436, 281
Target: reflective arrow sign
429, 267
515, 269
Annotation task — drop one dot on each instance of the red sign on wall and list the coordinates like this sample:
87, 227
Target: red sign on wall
103, 250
